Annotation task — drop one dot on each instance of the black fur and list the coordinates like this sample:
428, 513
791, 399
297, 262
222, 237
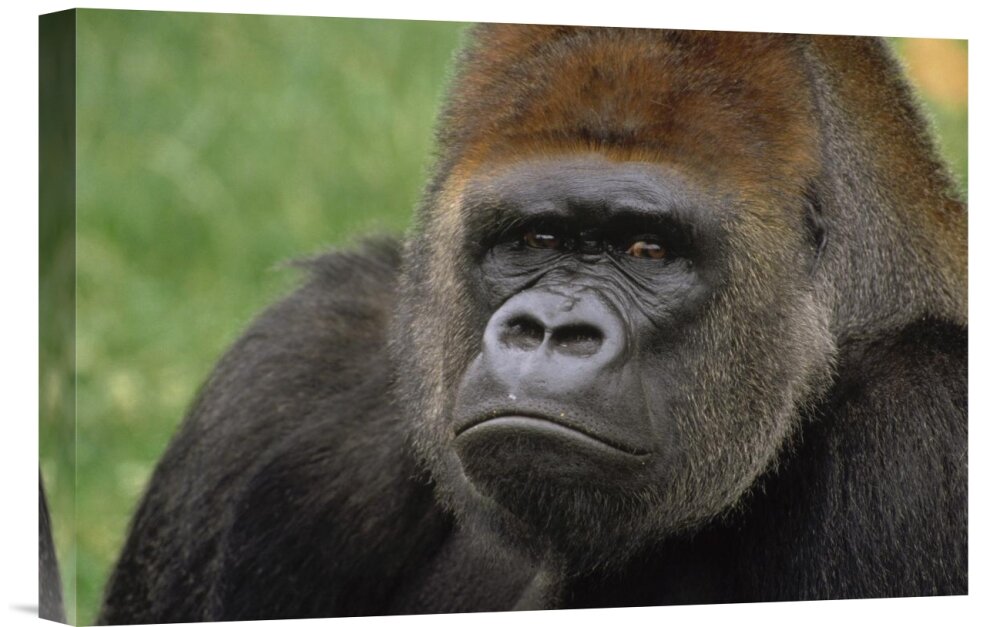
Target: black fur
329, 462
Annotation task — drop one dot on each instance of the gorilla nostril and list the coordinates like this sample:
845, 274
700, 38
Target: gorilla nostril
577, 339
522, 332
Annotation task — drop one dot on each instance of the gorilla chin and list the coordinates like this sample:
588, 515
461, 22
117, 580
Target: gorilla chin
561, 483
554, 492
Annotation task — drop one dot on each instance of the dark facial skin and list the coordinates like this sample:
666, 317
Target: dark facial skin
585, 266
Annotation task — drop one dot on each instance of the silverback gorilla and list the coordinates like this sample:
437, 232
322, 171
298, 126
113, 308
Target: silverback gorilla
682, 319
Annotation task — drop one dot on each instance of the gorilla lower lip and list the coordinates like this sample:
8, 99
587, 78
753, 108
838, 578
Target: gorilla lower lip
543, 425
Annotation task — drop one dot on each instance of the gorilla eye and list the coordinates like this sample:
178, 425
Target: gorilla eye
646, 249
546, 241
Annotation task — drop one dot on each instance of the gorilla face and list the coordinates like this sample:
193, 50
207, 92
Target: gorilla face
622, 353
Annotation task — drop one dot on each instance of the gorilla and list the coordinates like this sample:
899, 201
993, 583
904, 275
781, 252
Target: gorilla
681, 319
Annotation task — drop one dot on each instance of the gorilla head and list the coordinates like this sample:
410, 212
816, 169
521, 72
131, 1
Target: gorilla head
609, 315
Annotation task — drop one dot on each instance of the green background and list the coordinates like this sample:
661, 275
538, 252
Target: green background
211, 150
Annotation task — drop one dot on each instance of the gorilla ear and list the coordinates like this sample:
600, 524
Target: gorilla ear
895, 229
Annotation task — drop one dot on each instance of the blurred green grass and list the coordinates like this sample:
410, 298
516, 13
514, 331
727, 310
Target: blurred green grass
211, 149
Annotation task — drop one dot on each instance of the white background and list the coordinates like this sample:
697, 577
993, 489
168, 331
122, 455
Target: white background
957, 19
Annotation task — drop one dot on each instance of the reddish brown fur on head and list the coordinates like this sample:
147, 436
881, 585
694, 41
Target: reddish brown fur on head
715, 105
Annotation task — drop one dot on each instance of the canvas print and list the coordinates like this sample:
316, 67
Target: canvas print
361, 317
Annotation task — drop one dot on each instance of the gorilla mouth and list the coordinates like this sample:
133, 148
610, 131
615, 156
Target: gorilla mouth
532, 423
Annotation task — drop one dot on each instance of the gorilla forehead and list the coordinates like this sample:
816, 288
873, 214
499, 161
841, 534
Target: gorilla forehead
589, 184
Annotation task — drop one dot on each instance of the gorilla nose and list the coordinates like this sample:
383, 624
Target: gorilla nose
576, 324
527, 333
